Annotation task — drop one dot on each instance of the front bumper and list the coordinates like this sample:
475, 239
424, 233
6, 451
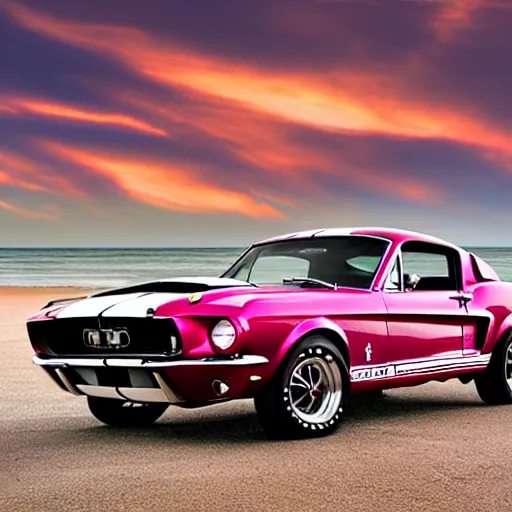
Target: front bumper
175, 382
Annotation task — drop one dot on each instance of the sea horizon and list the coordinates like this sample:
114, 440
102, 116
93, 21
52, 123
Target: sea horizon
110, 267
165, 247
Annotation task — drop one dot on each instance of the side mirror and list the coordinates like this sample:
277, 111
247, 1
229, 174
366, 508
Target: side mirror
411, 281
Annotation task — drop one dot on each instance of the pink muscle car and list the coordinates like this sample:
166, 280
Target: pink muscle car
298, 323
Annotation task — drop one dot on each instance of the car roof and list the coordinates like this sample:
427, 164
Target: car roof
394, 235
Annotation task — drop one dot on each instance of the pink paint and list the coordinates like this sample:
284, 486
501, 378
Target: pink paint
416, 336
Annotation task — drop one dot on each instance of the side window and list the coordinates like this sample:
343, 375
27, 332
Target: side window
425, 264
438, 267
273, 269
393, 282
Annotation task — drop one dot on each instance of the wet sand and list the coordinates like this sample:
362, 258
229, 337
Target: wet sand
430, 448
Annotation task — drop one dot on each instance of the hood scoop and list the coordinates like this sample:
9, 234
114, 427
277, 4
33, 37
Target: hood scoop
180, 285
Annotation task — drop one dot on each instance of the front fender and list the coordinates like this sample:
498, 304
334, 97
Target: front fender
320, 325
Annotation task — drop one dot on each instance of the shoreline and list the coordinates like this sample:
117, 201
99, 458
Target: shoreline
48, 290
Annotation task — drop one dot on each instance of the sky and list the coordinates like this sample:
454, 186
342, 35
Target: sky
219, 123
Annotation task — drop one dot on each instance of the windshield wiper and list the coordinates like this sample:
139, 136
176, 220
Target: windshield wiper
312, 280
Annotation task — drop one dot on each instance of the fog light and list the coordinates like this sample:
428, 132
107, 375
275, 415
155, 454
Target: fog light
220, 388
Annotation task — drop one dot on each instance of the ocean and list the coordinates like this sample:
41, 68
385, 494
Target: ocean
105, 268
101, 268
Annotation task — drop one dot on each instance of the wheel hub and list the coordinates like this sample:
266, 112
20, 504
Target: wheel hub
315, 390
508, 366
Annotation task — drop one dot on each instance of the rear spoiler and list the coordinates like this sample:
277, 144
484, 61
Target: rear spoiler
62, 301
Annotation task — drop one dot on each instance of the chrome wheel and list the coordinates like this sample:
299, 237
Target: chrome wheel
508, 366
315, 389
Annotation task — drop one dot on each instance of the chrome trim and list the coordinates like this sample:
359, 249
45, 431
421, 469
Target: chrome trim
67, 384
127, 394
449, 363
247, 360
508, 366
219, 387
376, 287
131, 394
98, 391
168, 392
143, 394
315, 390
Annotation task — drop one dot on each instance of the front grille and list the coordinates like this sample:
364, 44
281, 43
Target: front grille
65, 336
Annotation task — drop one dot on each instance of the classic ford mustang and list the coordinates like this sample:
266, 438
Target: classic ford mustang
298, 323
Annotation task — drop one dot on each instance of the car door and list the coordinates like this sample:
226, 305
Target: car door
425, 320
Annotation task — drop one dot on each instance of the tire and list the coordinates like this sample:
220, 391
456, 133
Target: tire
118, 413
281, 410
494, 385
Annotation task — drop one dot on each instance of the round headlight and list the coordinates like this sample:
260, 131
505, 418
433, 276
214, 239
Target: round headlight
223, 334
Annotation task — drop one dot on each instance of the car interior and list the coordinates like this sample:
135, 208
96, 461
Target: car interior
429, 267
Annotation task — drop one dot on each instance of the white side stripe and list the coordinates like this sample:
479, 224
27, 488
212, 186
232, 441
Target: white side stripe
443, 363
397, 369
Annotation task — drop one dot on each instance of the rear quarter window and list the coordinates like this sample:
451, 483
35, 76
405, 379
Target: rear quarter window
482, 270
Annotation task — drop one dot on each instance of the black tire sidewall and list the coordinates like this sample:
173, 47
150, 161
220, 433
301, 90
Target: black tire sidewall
497, 366
492, 385
112, 412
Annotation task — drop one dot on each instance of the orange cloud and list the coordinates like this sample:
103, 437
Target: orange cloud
7, 109
454, 16
262, 142
21, 106
342, 101
252, 137
24, 212
7, 179
20, 172
172, 187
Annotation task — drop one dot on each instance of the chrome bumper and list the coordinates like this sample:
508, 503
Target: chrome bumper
142, 363
162, 393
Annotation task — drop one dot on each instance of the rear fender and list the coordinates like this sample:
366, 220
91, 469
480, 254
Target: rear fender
504, 330
322, 326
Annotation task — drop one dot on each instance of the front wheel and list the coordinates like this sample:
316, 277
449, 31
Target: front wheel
305, 397
494, 385
119, 413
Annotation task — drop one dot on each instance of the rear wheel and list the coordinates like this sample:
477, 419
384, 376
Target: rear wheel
119, 413
305, 397
494, 385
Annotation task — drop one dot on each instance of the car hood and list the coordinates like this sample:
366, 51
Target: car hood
135, 301
208, 296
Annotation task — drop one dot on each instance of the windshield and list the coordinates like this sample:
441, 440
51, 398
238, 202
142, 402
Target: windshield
350, 261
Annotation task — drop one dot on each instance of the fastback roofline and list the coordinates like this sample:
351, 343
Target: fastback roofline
394, 235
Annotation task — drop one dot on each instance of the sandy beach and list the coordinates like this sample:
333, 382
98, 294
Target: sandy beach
435, 448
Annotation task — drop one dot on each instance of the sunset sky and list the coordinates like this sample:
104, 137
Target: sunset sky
217, 123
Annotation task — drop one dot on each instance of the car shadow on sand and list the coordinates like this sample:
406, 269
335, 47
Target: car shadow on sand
244, 426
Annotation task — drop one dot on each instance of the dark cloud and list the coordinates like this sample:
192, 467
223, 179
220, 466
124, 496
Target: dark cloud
298, 34
275, 108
